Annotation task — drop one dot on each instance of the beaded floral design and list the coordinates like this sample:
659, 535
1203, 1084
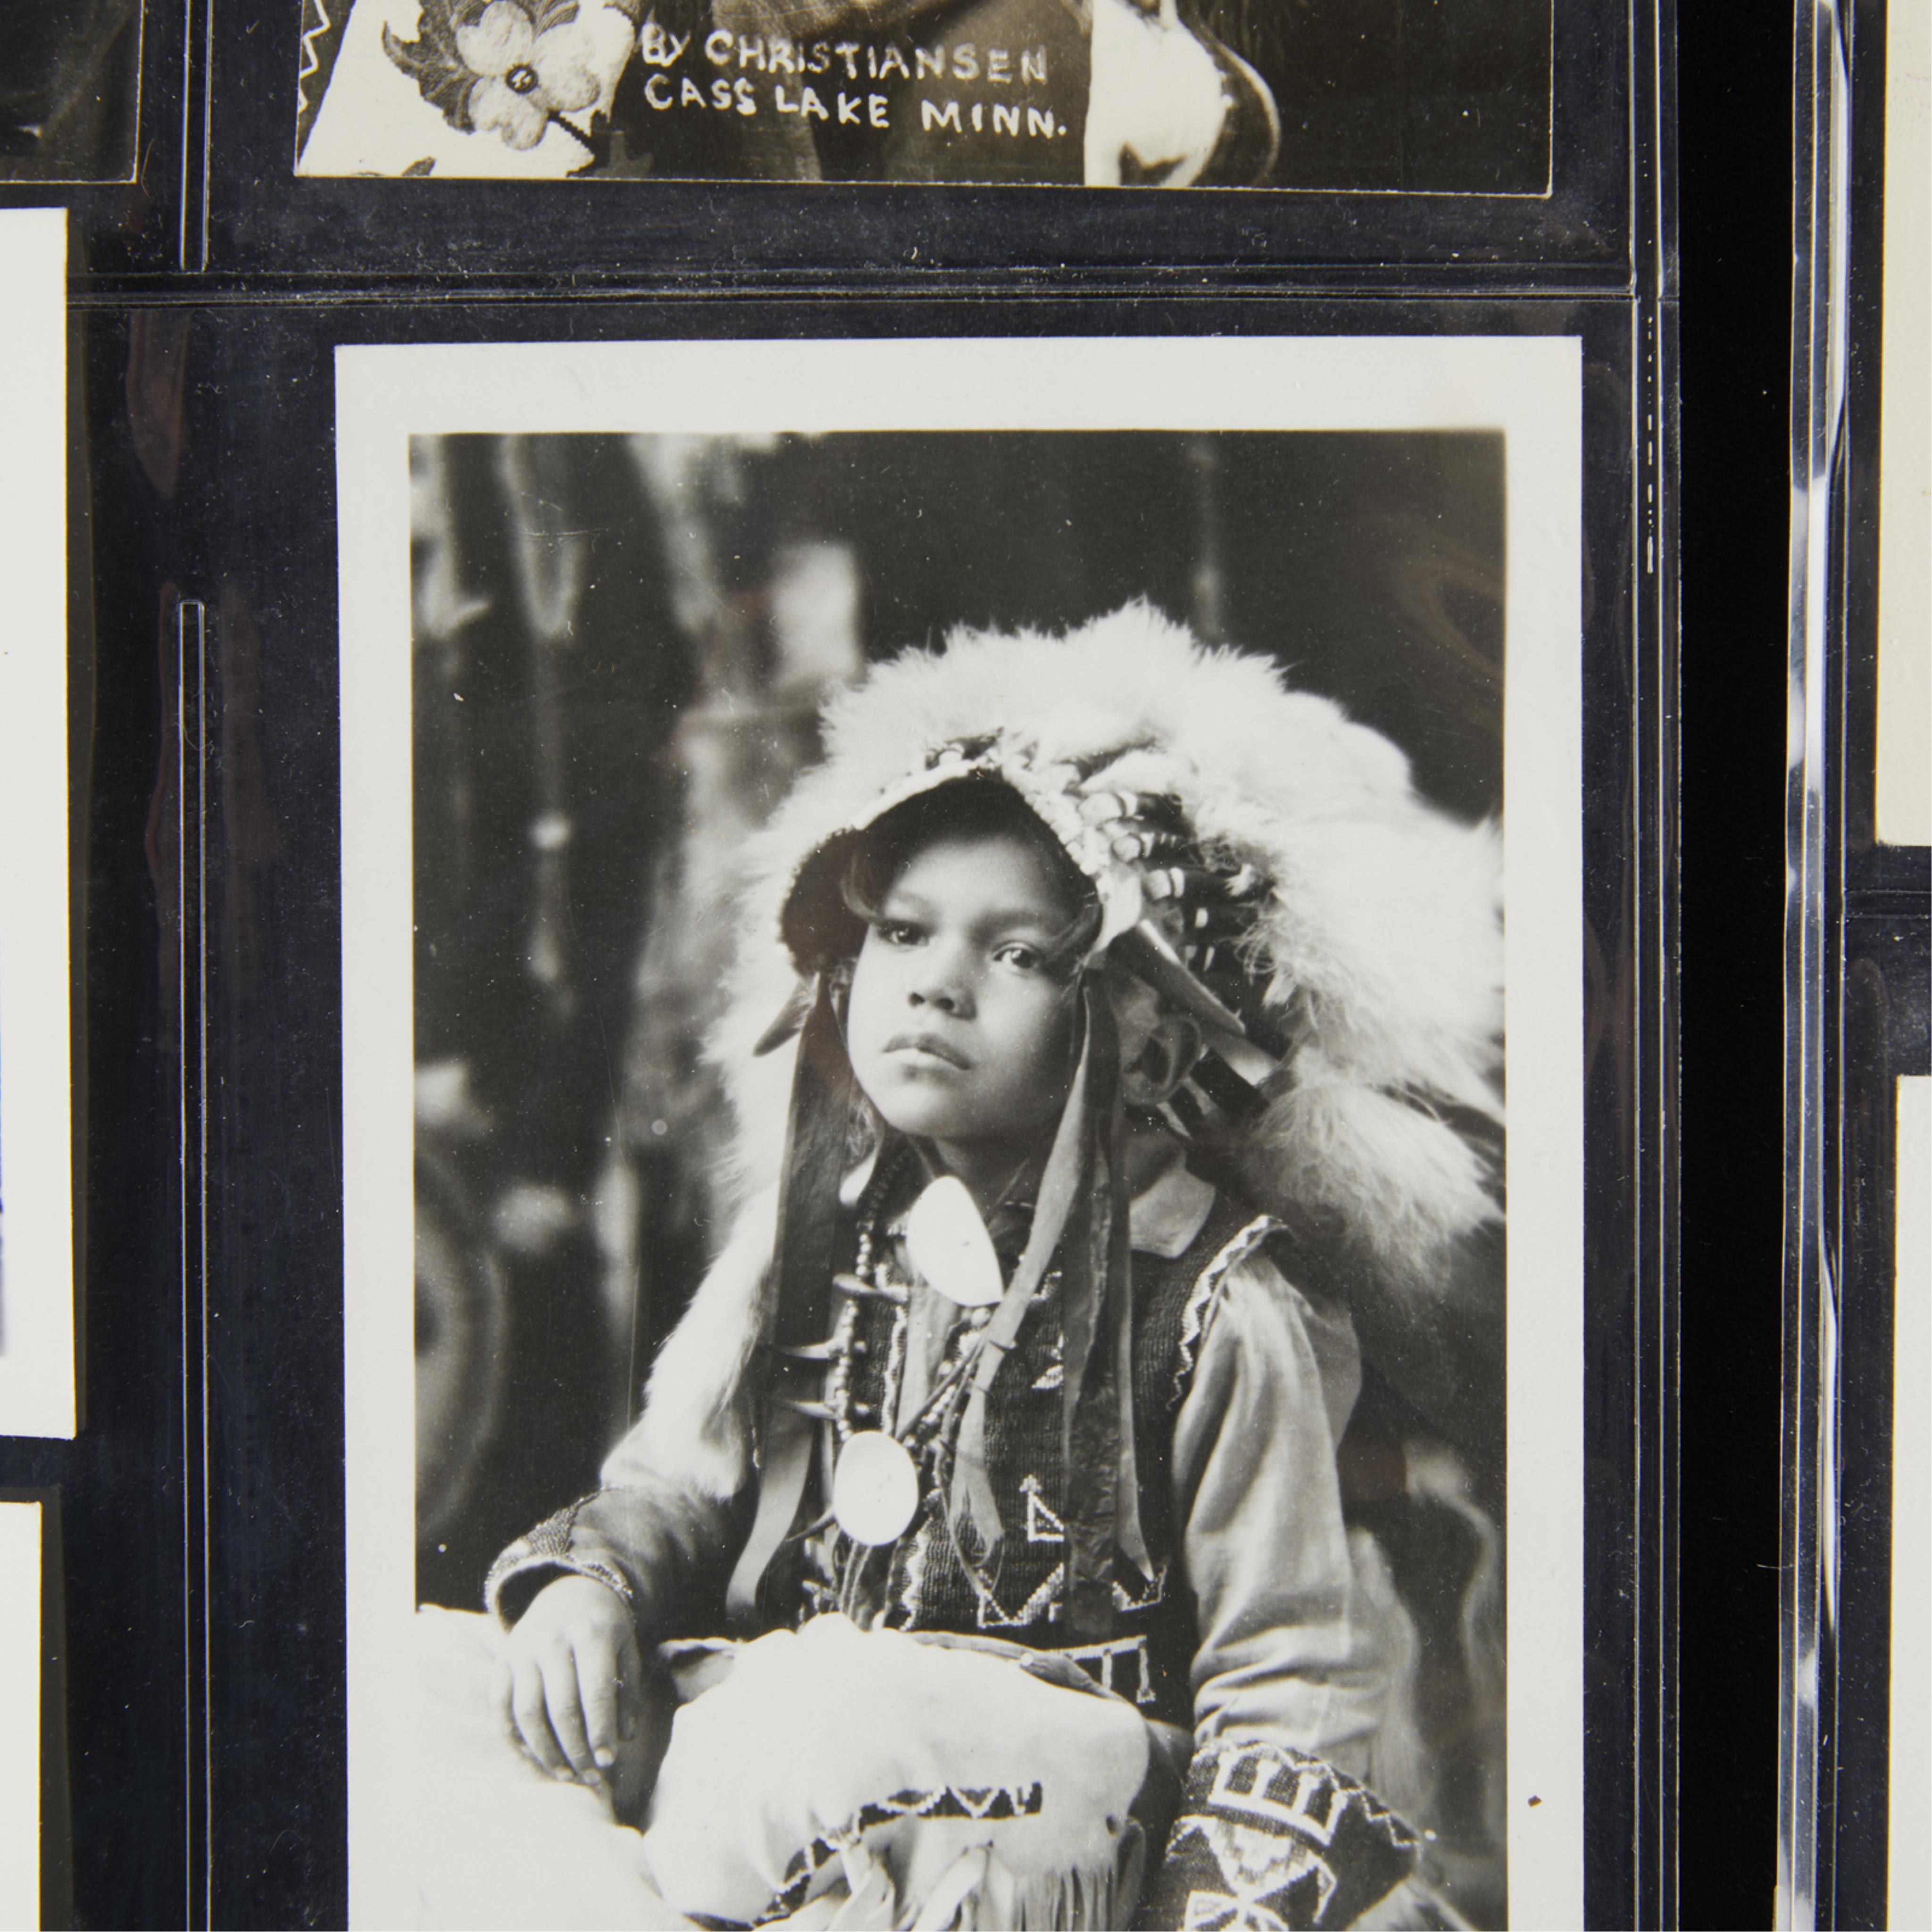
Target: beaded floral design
509, 67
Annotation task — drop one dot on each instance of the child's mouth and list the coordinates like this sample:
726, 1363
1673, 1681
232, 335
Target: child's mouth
929, 1046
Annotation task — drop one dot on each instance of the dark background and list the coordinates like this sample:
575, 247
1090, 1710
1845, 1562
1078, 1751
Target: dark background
1735, 189
1402, 93
168, 468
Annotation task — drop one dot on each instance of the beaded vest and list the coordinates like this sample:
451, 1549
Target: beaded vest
922, 1581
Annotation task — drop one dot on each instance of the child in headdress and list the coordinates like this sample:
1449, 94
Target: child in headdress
1100, 1009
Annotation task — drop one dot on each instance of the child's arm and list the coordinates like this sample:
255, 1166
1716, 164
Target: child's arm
1280, 1655
587, 1595
1288, 1682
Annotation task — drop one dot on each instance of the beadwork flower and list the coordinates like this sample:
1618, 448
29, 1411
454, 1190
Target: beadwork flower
527, 75
508, 67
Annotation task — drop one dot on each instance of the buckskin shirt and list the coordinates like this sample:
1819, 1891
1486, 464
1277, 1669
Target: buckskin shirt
1252, 1634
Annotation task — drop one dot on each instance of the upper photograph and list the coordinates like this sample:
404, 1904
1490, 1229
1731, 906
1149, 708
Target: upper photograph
1399, 96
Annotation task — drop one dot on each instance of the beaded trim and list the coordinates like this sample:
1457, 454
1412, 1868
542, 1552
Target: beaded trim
551, 1545
1200, 1300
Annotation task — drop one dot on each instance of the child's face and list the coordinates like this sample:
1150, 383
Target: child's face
958, 1030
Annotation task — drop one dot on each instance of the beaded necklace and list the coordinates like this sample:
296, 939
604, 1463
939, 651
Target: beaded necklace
925, 1438
867, 1281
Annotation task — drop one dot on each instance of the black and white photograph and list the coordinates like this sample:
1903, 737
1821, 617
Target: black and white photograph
37, 1313
70, 91
1410, 97
944, 1327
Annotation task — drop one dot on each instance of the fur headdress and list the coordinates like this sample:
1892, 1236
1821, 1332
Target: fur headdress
1359, 929
1262, 863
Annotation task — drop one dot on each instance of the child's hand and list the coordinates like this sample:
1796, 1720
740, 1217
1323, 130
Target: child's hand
570, 1679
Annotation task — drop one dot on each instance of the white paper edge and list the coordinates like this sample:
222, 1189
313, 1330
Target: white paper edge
1909, 1885
1529, 388
36, 1384
1903, 785
20, 1714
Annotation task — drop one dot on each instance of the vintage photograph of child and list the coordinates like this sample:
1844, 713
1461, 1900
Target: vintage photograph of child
966, 1370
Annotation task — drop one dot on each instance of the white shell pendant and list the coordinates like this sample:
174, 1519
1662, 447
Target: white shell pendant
948, 1245
874, 1488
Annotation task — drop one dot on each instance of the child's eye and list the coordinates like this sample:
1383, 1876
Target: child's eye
1022, 958
898, 932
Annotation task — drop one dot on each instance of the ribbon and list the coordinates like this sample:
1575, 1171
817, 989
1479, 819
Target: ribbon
971, 1505
1102, 1500
1081, 1214
816, 1129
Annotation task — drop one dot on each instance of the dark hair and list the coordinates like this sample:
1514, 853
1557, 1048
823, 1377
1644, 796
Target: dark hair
840, 889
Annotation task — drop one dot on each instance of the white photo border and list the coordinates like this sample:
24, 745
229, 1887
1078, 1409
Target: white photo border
22, 1647
37, 1344
1909, 1781
1528, 388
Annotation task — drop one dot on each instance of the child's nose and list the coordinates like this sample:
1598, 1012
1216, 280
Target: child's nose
943, 982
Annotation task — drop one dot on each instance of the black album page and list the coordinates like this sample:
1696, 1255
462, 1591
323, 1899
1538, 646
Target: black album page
848, 1091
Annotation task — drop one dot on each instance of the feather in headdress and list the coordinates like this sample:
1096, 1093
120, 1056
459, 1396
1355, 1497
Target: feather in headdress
1368, 961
